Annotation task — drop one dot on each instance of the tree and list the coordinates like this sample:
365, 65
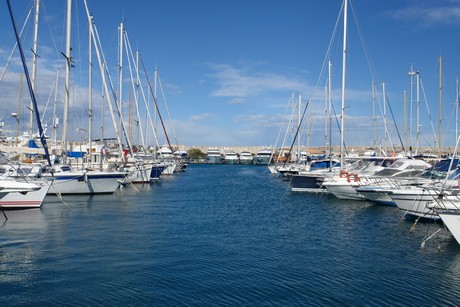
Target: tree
195, 153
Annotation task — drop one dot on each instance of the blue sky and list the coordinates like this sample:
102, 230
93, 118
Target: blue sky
229, 68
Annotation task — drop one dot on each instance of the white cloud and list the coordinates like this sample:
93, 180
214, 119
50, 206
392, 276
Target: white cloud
431, 13
242, 83
202, 117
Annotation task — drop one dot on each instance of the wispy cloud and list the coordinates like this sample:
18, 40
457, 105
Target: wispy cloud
241, 83
427, 13
202, 117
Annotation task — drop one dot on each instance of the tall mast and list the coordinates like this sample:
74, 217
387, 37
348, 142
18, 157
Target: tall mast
374, 126
384, 116
90, 92
405, 118
344, 61
67, 77
411, 102
120, 70
440, 105
299, 141
329, 117
418, 113
34, 66
55, 118
18, 115
456, 109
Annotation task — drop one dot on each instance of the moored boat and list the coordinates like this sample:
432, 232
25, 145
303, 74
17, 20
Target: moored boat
246, 157
213, 156
263, 156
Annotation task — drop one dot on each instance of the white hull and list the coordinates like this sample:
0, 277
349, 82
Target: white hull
377, 195
91, 182
343, 189
33, 199
452, 220
170, 168
414, 202
138, 174
245, 161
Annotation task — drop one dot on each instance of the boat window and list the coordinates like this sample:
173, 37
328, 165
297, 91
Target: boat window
396, 164
65, 168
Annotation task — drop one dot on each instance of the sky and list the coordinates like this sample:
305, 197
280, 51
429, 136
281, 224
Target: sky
230, 72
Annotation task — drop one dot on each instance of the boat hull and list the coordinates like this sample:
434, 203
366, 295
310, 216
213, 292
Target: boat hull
344, 190
86, 183
377, 195
414, 202
307, 183
452, 221
214, 159
29, 200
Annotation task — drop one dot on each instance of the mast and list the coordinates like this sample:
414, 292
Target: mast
55, 118
34, 67
329, 111
344, 61
411, 102
384, 116
90, 92
418, 113
374, 126
456, 109
29, 85
18, 115
67, 79
120, 70
102, 68
440, 105
298, 125
405, 117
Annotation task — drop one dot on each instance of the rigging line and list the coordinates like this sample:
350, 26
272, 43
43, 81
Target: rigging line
125, 37
429, 116
147, 106
297, 132
15, 45
49, 97
156, 104
328, 52
339, 128
29, 84
167, 109
107, 73
279, 131
365, 49
396, 126
42, 5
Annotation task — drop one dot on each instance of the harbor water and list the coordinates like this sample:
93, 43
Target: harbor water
222, 235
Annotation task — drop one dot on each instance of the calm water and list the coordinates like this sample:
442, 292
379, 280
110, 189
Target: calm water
222, 235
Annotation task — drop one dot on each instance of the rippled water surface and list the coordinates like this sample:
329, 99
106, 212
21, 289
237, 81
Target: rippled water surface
222, 235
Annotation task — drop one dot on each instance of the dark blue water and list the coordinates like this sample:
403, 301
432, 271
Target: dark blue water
222, 235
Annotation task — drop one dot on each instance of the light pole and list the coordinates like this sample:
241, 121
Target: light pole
86, 137
16, 116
